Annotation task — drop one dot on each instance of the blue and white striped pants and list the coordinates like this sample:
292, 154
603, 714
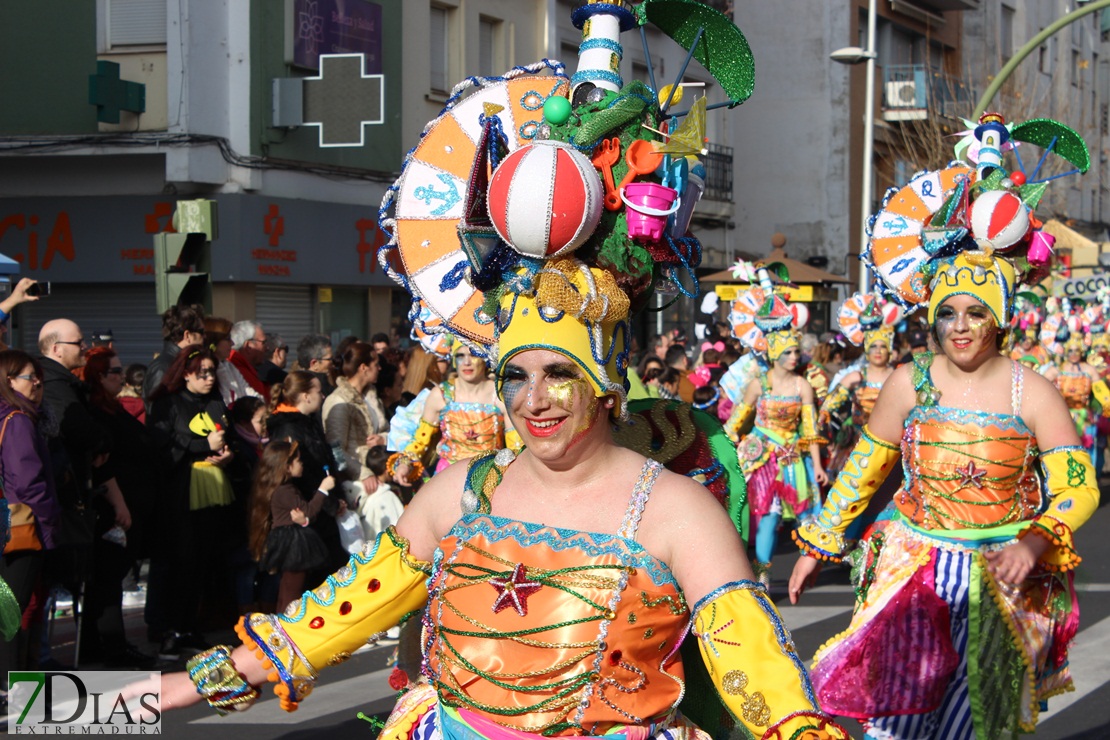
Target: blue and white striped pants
952, 719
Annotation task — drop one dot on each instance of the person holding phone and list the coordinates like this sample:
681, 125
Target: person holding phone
25, 290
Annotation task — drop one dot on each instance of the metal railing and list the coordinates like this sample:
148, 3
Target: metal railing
908, 87
718, 173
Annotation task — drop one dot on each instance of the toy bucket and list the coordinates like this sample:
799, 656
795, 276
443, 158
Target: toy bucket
681, 221
1040, 248
649, 205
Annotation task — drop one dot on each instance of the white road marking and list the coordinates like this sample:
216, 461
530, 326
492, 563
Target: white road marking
1089, 658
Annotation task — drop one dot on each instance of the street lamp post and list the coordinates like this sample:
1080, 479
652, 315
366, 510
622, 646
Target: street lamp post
855, 55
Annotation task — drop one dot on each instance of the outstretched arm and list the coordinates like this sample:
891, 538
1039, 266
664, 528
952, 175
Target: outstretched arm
369, 595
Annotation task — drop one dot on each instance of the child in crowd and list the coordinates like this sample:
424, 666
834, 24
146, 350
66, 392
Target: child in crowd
279, 536
383, 507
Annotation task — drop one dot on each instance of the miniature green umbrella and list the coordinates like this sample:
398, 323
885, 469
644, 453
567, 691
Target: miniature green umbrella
1049, 134
721, 49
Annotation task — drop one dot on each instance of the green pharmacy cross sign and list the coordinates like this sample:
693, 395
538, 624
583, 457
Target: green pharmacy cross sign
110, 94
342, 100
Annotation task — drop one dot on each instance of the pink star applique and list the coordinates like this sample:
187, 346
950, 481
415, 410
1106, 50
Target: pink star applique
970, 475
514, 591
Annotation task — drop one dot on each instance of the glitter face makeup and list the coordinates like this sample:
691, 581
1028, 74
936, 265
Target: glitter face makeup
879, 353
788, 360
553, 400
965, 327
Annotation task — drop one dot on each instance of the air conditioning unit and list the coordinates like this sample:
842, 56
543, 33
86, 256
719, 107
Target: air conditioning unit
902, 94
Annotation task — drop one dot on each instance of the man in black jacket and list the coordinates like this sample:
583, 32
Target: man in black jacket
85, 445
181, 326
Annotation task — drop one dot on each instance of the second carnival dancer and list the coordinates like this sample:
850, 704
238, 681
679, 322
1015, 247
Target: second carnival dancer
862, 320
781, 486
557, 584
466, 415
972, 573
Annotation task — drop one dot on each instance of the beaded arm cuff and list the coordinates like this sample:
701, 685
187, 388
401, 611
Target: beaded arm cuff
370, 594
741, 412
809, 435
1070, 479
219, 681
743, 641
867, 467
416, 468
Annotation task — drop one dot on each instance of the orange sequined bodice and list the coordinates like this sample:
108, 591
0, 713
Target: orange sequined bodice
782, 414
555, 631
1075, 388
967, 469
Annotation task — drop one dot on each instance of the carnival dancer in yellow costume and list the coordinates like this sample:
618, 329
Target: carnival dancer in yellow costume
972, 573
772, 456
862, 322
557, 585
466, 416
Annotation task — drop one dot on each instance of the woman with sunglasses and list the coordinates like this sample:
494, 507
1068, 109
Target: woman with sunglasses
465, 413
27, 479
189, 421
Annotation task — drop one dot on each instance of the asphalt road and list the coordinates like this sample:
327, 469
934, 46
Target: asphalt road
360, 684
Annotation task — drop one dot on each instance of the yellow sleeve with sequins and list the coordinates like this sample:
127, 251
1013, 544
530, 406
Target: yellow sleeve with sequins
867, 467
755, 667
1102, 394
833, 404
370, 594
809, 435
1073, 488
741, 412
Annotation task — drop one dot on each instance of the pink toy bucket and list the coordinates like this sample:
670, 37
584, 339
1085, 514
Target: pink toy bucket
649, 205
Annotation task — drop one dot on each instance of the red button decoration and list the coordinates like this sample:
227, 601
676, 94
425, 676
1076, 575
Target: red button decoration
615, 657
345, 608
374, 585
316, 623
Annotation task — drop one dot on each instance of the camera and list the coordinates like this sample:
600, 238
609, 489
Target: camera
39, 290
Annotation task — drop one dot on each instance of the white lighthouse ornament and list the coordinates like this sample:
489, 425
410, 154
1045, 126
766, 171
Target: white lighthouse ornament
600, 53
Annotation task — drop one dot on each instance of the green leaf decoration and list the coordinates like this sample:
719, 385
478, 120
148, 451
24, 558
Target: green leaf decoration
779, 270
1031, 194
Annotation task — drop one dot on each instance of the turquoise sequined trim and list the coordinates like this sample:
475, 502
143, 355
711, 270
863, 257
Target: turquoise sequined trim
1006, 422
594, 544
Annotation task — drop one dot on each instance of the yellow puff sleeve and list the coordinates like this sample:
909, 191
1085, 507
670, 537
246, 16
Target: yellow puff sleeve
741, 412
1073, 490
370, 594
808, 435
867, 467
755, 667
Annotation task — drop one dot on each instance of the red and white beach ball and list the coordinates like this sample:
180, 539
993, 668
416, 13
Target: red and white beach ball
1000, 217
545, 199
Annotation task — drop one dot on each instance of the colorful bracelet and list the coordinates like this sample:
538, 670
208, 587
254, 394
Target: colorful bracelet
217, 680
416, 471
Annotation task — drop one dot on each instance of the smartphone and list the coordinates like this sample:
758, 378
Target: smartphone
40, 290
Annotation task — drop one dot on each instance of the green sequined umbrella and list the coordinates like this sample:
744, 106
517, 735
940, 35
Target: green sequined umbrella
722, 48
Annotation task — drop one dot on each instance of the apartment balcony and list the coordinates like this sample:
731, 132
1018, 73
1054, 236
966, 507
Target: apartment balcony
915, 92
716, 199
